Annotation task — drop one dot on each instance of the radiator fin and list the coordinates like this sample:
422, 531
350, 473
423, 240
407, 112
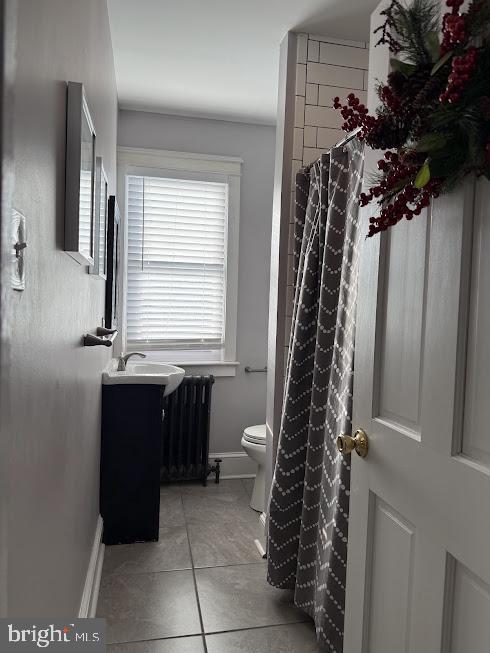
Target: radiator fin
185, 430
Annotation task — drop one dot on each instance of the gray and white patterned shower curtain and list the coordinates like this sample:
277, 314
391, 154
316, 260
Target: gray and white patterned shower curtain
309, 506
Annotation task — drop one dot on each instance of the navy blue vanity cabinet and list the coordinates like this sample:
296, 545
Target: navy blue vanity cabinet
130, 462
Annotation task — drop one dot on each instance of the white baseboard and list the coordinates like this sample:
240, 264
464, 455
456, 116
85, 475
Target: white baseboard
261, 541
90, 595
260, 548
236, 464
263, 521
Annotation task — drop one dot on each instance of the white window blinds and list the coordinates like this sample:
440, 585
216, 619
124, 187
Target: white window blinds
176, 286
85, 233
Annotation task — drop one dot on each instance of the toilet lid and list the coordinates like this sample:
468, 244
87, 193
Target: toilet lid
255, 434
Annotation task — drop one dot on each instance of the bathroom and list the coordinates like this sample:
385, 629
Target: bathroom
184, 278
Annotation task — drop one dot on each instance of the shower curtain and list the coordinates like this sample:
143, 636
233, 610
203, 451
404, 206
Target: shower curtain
309, 504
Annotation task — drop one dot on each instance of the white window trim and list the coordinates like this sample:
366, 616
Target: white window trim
152, 162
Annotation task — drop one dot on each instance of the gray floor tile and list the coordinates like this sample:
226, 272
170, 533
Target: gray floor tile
172, 488
179, 645
217, 544
216, 508
248, 484
226, 486
171, 508
169, 553
292, 638
239, 597
148, 606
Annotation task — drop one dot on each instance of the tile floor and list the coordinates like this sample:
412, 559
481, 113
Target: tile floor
202, 587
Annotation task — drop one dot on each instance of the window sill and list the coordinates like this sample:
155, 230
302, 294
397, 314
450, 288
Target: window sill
191, 365
216, 368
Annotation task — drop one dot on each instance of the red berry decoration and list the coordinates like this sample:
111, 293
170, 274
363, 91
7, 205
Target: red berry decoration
461, 70
453, 27
433, 117
354, 113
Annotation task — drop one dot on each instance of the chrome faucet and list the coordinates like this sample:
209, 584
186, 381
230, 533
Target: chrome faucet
122, 360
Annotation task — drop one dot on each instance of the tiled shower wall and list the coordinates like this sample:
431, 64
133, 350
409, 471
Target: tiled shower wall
325, 68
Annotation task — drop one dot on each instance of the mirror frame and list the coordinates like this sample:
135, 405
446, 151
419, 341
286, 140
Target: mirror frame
77, 111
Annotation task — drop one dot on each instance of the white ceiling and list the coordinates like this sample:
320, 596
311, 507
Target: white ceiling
216, 58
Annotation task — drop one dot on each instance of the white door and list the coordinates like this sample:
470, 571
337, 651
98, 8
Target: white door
418, 572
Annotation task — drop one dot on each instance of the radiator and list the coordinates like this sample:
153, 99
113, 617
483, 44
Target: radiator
185, 432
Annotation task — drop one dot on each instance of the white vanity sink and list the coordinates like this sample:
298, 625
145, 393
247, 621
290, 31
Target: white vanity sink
137, 373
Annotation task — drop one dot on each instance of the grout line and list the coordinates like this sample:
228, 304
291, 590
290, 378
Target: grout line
203, 638
324, 39
339, 65
347, 88
195, 585
145, 572
232, 564
306, 620
170, 571
155, 639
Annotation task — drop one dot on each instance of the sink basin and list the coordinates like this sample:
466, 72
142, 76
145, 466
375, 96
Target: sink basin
164, 374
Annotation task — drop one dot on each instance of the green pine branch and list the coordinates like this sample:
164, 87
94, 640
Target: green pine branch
413, 24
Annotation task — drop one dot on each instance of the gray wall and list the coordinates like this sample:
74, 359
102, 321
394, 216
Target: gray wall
54, 407
237, 401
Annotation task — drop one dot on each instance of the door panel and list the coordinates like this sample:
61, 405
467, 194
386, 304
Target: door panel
470, 612
475, 439
418, 568
390, 584
401, 325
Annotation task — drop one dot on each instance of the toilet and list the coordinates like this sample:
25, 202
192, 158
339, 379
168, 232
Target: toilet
253, 442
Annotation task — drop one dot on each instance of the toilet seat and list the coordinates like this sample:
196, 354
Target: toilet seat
255, 434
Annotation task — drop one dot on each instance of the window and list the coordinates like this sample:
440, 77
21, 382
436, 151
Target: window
176, 263
181, 255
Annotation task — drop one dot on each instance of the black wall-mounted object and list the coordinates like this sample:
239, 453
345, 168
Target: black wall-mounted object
113, 263
185, 432
130, 462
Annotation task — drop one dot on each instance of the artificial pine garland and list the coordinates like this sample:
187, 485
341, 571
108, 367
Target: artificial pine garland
434, 116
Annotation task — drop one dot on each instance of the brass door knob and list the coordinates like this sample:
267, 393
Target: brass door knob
345, 443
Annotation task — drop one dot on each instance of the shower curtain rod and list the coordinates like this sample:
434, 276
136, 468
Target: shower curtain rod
342, 142
348, 138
